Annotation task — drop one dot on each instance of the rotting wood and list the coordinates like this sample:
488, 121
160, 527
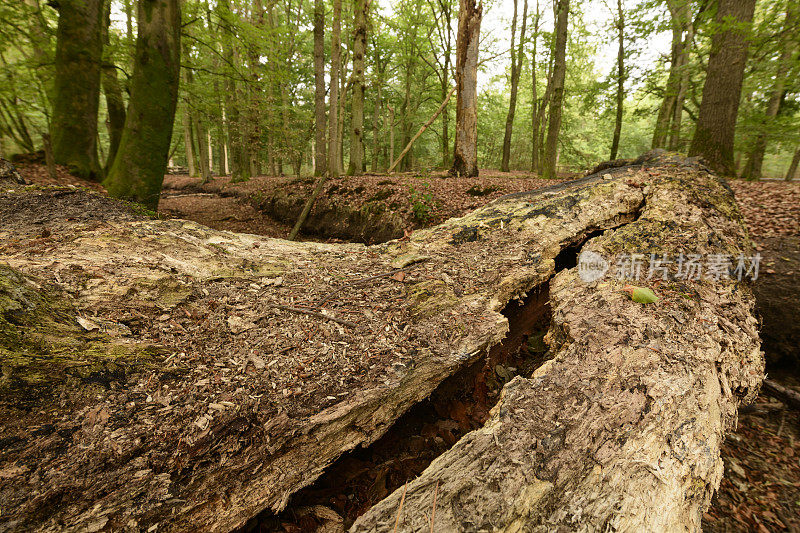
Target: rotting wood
176, 422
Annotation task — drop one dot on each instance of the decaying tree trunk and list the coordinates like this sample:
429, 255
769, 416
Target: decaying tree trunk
160, 374
465, 151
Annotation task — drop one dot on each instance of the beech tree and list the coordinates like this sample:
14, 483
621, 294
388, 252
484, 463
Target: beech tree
716, 123
561, 8
516, 69
141, 161
360, 12
76, 93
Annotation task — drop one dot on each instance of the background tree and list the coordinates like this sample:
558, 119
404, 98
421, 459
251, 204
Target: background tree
141, 161
516, 69
465, 153
716, 124
557, 92
76, 93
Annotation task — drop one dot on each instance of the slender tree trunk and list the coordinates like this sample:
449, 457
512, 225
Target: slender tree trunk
666, 110
320, 151
516, 69
203, 149
465, 152
534, 98
76, 94
188, 142
445, 81
755, 162
675, 141
620, 80
716, 123
360, 10
115, 103
50, 162
556, 103
391, 134
138, 170
422, 130
375, 119
790, 174
333, 116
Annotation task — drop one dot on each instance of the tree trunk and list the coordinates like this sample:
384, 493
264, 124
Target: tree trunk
76, 94
620, 80
557, 98
376, 115
203, 150
792, 171
615, 423
516, 68
115, 103
320, 151
138, 169
334, 158
360, 13
391, 133
465, 152
666, 110
188, 142
534, 97
421, 131
755, 162
684, 79
716, 122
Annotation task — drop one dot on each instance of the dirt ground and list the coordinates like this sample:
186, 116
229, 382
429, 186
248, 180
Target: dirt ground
761, 488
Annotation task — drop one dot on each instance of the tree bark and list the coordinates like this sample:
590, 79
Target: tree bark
203, 149
188, 142
360, 13
516, 69
334, 158
138, 169
421, 131
619, 428
76, 94
320, 123
465, 152
792, 171
557, 95
755, 162
115, 103
534, 97
620, 80
716, 122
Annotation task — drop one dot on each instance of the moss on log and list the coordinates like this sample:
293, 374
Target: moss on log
218, 401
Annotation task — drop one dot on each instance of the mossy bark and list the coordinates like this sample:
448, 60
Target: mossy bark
138, 169
76, 93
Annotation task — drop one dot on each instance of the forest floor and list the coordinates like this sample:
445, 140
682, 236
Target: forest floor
761, 488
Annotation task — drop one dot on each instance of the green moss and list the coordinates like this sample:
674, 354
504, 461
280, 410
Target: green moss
43, 348
431, 297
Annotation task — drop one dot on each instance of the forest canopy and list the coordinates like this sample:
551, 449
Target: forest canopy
297, 87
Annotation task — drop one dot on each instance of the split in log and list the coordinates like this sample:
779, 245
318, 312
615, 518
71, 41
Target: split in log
141, 386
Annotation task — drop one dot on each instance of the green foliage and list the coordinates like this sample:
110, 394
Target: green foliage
422, 202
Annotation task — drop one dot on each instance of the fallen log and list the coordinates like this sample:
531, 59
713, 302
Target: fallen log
157, 374
785, 394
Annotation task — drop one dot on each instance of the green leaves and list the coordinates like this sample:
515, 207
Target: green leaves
642, 295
